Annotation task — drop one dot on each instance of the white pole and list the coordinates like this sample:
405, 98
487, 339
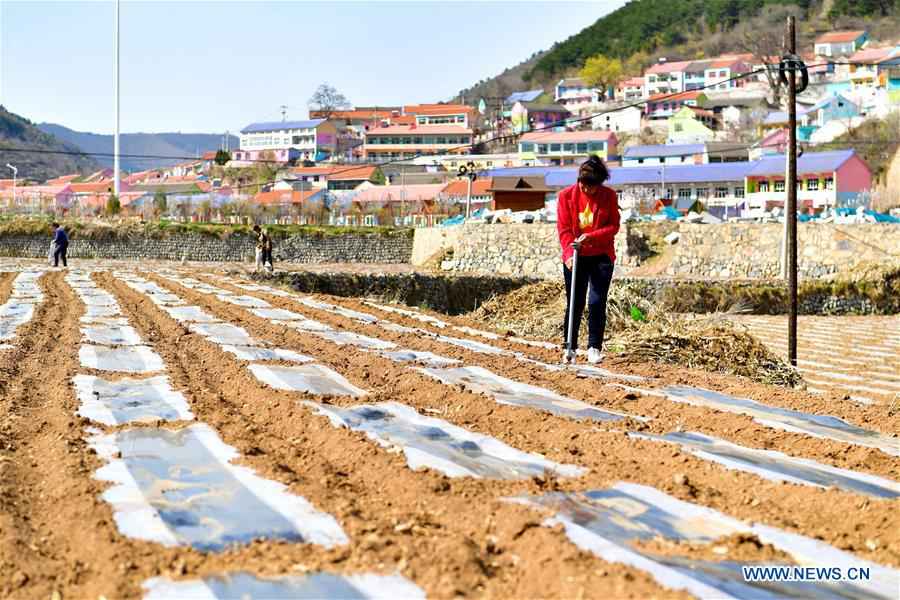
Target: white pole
116, 93
468, 198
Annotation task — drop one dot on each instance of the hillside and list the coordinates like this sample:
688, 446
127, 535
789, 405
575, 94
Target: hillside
685, 29
176, 145
17, 133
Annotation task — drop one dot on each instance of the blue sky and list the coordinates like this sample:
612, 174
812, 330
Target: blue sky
212, 66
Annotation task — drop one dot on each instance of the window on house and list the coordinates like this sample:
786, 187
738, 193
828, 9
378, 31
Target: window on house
582, 148
779, 186
812, 185
702, 192
597, 146
407, 140
721, 192
569, 147
829, 183
640, 161
764, 186
526, 147
489, 163
684, 193
738, 192
542, 148
395, 140
678, 127
555, 147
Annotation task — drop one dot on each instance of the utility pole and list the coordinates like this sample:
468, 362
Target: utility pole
792, 191
15, 175
116, 182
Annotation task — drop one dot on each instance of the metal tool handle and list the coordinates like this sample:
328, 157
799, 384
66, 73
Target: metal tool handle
571, 326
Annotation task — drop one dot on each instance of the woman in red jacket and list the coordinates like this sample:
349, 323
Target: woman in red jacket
588, 215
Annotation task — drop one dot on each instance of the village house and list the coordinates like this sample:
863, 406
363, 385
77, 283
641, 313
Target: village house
624, 120
456, 192
54, 198
839, 43
400, 205
721, 72
483, 162
285, 141
519, 193
691, 125
631, 89
569, 147
574, 94
812, 118
526, 96
825, 180
665, 77
409, 141
526, 116
678, 154
333, 177
663, 106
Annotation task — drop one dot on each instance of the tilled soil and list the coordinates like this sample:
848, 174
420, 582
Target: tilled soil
450, 536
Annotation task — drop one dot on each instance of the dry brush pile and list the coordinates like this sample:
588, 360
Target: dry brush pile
639, 330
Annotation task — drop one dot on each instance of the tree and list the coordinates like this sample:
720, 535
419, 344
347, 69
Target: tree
378, 177
222, 157
636, 63
602, 72
764, 39
113, 206
327, 99
160, 203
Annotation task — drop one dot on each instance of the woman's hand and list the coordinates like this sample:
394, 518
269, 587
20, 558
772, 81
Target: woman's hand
569, 263
581, 238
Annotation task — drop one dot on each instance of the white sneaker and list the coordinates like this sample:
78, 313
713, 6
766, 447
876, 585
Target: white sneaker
594, 356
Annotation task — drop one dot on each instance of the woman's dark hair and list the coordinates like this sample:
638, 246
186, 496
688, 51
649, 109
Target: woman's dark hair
593, 171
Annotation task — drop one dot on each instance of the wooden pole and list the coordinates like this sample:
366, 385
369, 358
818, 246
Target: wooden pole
792, 193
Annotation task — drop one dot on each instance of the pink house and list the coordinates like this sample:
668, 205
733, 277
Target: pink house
50, 198
825, 180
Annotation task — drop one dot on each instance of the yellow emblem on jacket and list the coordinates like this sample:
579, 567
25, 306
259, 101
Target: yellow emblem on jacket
586, 218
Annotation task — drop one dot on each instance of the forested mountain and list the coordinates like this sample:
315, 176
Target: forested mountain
46, 156
686, 29
178, 146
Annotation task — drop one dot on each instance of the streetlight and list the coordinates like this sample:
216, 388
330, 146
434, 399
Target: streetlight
15, 174
116, 183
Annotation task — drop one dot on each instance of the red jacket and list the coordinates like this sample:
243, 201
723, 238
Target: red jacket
597, 216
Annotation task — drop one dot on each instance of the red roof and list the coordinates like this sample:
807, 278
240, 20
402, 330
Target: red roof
691, 95
872, 55
668, 67
63, 179
97, 187
437, 109
420, 129
339, 173
211, 155
285, 196
568, 136
725, 62
459, 187
358, 114
632, 82
837, 37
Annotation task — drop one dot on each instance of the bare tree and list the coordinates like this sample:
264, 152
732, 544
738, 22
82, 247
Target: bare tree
763, 37
326, 100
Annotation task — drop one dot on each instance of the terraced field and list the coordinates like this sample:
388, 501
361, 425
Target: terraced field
175, 432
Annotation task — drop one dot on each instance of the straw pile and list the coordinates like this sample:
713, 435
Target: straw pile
639, 330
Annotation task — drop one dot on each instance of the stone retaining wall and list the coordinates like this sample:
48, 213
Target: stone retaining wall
753, 250
347, 248
526, 250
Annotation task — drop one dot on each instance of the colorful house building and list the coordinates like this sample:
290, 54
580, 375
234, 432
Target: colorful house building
666, 77
825, 180
663, 106
526, 116
573, 93
396, 142
284, 141
631, 89
568, 147
692, 125
810, 119
839, 43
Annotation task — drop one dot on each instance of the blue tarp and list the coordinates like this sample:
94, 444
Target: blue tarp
669, 213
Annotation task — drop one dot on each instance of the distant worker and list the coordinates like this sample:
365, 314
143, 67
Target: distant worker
263, 250
588, 215
60, 245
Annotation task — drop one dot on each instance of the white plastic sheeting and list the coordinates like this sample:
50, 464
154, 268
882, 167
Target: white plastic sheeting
243, 301
223, 333
776, 465
313, 586
130, 400
180, 488
514, 393
426, 358
437, 444
605, 522
821, 426
251, 353
310, 378
189, 314
129, 359
20, 307
111, 335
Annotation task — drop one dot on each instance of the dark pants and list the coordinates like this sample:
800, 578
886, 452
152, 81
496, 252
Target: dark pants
267, 257
596, 270
60, 253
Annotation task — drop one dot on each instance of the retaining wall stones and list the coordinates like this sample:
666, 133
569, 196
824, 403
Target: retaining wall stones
346, 248
753, 250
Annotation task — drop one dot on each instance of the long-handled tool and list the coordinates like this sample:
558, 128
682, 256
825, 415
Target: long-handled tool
572, 325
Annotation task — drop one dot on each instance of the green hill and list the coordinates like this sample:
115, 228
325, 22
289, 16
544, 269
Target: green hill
40, 162
685, 29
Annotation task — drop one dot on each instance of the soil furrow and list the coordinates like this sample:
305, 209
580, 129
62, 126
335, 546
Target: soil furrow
609, 454
420, 523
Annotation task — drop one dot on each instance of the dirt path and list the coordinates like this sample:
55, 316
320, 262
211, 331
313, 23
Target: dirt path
606, 451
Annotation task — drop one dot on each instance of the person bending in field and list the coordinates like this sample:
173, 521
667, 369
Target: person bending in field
588, 215
60, 245
263, 249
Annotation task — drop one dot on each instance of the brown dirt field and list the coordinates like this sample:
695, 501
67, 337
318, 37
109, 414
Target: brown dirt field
605, 451
57, 535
